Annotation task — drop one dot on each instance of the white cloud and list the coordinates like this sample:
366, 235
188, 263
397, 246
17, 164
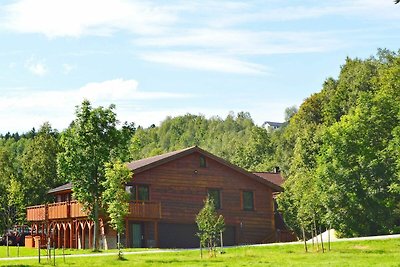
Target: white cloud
201, 61
67, 68
36, 67
30, 108
237, 42
90, 17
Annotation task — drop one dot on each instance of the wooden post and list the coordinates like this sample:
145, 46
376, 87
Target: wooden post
92, 238
83, 237
65, 236
38, 249
18, 250
58, 237
71, 235
304, 238
54, 255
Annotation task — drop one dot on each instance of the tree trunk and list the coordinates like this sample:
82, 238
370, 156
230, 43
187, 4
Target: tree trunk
322, 241
304, 238
329, 238
316, 233
312, 238
96, 225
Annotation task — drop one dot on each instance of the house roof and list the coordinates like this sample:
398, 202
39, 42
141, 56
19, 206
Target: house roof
64, 187
273, 124
148, 163
273, 177
141, 165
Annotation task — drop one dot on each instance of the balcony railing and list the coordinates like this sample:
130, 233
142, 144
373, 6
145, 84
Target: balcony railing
144, 210
59, 210
77, 210
36, 213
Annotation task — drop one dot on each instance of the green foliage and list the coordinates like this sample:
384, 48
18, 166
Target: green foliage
26, 161
210, 225
39, 165
87, 145
235, 138
115, 198
341, 151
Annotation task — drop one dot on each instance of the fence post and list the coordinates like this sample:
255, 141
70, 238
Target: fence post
54, 252
8, 248
38, 249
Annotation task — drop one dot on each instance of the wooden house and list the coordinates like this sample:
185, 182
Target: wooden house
166, 194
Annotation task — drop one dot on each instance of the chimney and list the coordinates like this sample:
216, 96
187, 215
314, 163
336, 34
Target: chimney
276, 169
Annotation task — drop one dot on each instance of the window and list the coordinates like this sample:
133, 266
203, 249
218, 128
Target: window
138, 192
203, 162
215, 194
142, 192
248, 200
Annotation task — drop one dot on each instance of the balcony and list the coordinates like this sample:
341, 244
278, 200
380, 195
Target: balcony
58, 210
36, 213
76, 210
54, 211
144, 210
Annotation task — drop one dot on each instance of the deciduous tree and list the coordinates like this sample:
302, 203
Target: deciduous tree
87, 145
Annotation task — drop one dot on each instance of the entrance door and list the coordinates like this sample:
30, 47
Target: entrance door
136, 235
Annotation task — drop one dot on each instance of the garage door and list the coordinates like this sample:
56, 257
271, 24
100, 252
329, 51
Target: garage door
184, 235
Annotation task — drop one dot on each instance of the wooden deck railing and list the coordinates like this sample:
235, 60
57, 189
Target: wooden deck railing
36, 213
145, 210
77, 210
59, 210
73, 209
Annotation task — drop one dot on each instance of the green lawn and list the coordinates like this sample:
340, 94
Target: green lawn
354, 253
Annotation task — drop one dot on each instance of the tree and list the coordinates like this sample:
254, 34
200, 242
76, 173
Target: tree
115, 197
88, 144
340, 152
210, 226
39, 165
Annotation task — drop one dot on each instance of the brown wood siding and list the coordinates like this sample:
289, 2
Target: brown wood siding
181, 187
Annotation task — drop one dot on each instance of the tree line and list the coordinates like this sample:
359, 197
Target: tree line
339, 152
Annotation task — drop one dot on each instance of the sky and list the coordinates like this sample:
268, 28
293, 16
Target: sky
154, 59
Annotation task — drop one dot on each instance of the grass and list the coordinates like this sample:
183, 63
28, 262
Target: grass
350, 253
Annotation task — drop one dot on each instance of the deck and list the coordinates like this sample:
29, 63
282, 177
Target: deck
69, 210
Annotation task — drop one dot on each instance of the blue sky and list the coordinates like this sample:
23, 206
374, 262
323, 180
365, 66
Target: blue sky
165, 58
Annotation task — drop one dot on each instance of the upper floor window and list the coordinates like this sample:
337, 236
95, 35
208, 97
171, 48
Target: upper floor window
248, 200
215, 195
203, 162
138, 192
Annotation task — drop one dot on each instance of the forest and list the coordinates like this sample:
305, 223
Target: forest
339, 152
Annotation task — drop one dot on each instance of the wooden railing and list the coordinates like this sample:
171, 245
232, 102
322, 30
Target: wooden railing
36, 213
77, 210
144, 210
59, 210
